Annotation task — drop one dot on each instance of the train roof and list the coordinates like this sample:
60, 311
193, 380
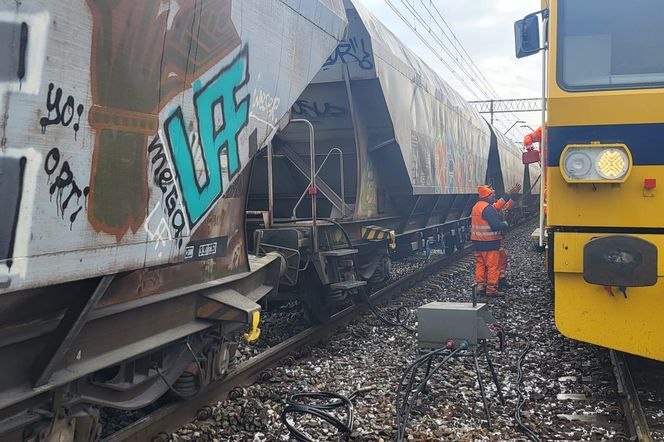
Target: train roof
443, 141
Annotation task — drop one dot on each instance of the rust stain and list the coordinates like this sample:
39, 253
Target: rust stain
143, 55
222, 221
209, 310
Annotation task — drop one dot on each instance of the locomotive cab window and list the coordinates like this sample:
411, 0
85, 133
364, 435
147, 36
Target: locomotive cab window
610, 44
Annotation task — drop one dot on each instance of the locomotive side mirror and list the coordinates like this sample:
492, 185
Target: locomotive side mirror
527, 34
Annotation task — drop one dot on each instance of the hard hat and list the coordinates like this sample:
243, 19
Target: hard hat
528, 140
484, 191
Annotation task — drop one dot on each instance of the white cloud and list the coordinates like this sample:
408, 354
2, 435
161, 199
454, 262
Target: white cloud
485, 28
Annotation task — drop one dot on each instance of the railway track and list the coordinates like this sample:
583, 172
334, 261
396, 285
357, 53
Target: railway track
641, 390
636, 422
157, 426
634, 388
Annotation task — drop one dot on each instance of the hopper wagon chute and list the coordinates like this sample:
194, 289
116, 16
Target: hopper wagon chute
398, 155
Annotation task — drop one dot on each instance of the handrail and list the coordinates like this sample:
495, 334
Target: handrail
312, 183
341, 172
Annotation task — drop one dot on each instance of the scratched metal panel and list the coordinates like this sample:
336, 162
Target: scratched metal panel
134, 122
443, 140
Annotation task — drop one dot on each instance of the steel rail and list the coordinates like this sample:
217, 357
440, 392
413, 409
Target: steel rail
637, 424
156, 425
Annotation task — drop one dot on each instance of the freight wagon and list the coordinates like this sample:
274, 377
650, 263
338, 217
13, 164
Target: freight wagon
126, 134
396, 156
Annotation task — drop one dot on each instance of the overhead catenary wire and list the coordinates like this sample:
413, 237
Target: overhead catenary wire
460, 49
469, 59
451, 53
462, 58
468, 73
433, 51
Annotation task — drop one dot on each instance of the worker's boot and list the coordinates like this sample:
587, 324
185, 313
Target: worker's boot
503, 284
480, 291
492, 291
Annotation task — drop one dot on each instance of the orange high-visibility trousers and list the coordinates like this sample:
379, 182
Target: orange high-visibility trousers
487, 270
503, 259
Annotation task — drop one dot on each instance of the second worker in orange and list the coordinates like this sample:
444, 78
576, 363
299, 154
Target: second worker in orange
485, 232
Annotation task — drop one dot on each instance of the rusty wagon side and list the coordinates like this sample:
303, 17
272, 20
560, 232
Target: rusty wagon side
127, 127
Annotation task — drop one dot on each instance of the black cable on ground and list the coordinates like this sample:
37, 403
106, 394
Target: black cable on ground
411, 372
297, 405
412, 369
521, 398
401, 321
402, 315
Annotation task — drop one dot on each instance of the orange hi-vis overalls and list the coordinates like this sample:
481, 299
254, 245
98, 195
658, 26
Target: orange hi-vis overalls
487, 263
533, 137
501, 205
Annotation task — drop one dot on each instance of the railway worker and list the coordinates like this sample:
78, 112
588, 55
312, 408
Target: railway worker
502, 206
531, 138
485, 232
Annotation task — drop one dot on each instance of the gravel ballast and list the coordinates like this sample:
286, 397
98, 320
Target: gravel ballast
365, 353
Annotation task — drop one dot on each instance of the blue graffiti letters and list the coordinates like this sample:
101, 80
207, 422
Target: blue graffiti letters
315, 110
352, 50
219, 93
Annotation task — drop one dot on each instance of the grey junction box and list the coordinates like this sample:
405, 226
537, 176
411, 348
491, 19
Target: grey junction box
438, 322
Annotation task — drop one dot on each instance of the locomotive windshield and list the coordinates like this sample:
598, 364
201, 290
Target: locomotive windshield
610, 44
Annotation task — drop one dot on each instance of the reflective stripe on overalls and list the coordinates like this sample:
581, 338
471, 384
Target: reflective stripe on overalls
501, 206
480, 230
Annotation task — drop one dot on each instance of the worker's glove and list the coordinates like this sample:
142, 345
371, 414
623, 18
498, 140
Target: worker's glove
514, 189
505, 225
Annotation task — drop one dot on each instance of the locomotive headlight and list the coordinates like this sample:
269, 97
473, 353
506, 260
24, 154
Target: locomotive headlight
577, 164
595, 163
612, 164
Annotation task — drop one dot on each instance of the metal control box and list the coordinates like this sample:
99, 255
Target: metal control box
438, 322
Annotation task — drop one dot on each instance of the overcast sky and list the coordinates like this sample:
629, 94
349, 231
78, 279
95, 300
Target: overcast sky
485, 28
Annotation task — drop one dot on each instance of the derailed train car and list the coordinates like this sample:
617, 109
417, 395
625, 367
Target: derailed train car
397, 157
127, 128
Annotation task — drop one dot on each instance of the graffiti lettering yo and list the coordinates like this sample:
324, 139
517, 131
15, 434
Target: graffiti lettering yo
220, 92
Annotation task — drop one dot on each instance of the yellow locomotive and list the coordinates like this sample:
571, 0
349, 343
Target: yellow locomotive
603, 149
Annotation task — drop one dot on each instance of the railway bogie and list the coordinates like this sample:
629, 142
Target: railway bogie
397, 157
126, 133
147, 147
